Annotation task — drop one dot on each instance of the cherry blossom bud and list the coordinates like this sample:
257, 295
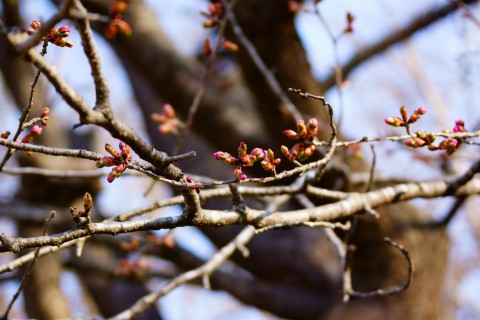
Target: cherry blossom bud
350, 17
124, 28
421, 110
257, 153
290, 134
239, 174
106, 162
312, 128
417, 114
394, 121
415, 143
126, 152
301, 129
220, 155
36, 130
230, 46
63, 32
35, 24
459, 126
87, 202
116, 172
169, 111
110, 31
210, 23
267, 166
207, 46
429, 137
404, 113
112, 151
5, 134
242, 149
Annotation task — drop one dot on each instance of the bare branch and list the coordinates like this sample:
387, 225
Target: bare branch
395, 289
272, 82
206, 269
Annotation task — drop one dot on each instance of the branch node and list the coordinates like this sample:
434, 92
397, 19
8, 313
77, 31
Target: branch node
9, 243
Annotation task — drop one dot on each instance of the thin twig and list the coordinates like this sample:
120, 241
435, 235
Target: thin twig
26, 111
394, 289
422, 21
371, 178
338, 66
101, 87
262, 67
203, 81
29, 270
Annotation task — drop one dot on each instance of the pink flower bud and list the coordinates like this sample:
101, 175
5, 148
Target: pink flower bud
230, 46
312, 128
285, 151
394, 121
290, 134
421, 110
239, 174
169, 111
63, 32
157, 117
220, 155
35, 24
112, 151
242, 149
45, 111
36, 130
106, 162
124, 28
126, 152
267, 166
5, 134
301, 129
415, 143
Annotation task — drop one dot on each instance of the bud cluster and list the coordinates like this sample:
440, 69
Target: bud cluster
169, 123
305, 134
450, 145
127, 269
118, 160
213, 17
35, 130
55, 36
214, 14
405, 121
117, 25
244, 159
